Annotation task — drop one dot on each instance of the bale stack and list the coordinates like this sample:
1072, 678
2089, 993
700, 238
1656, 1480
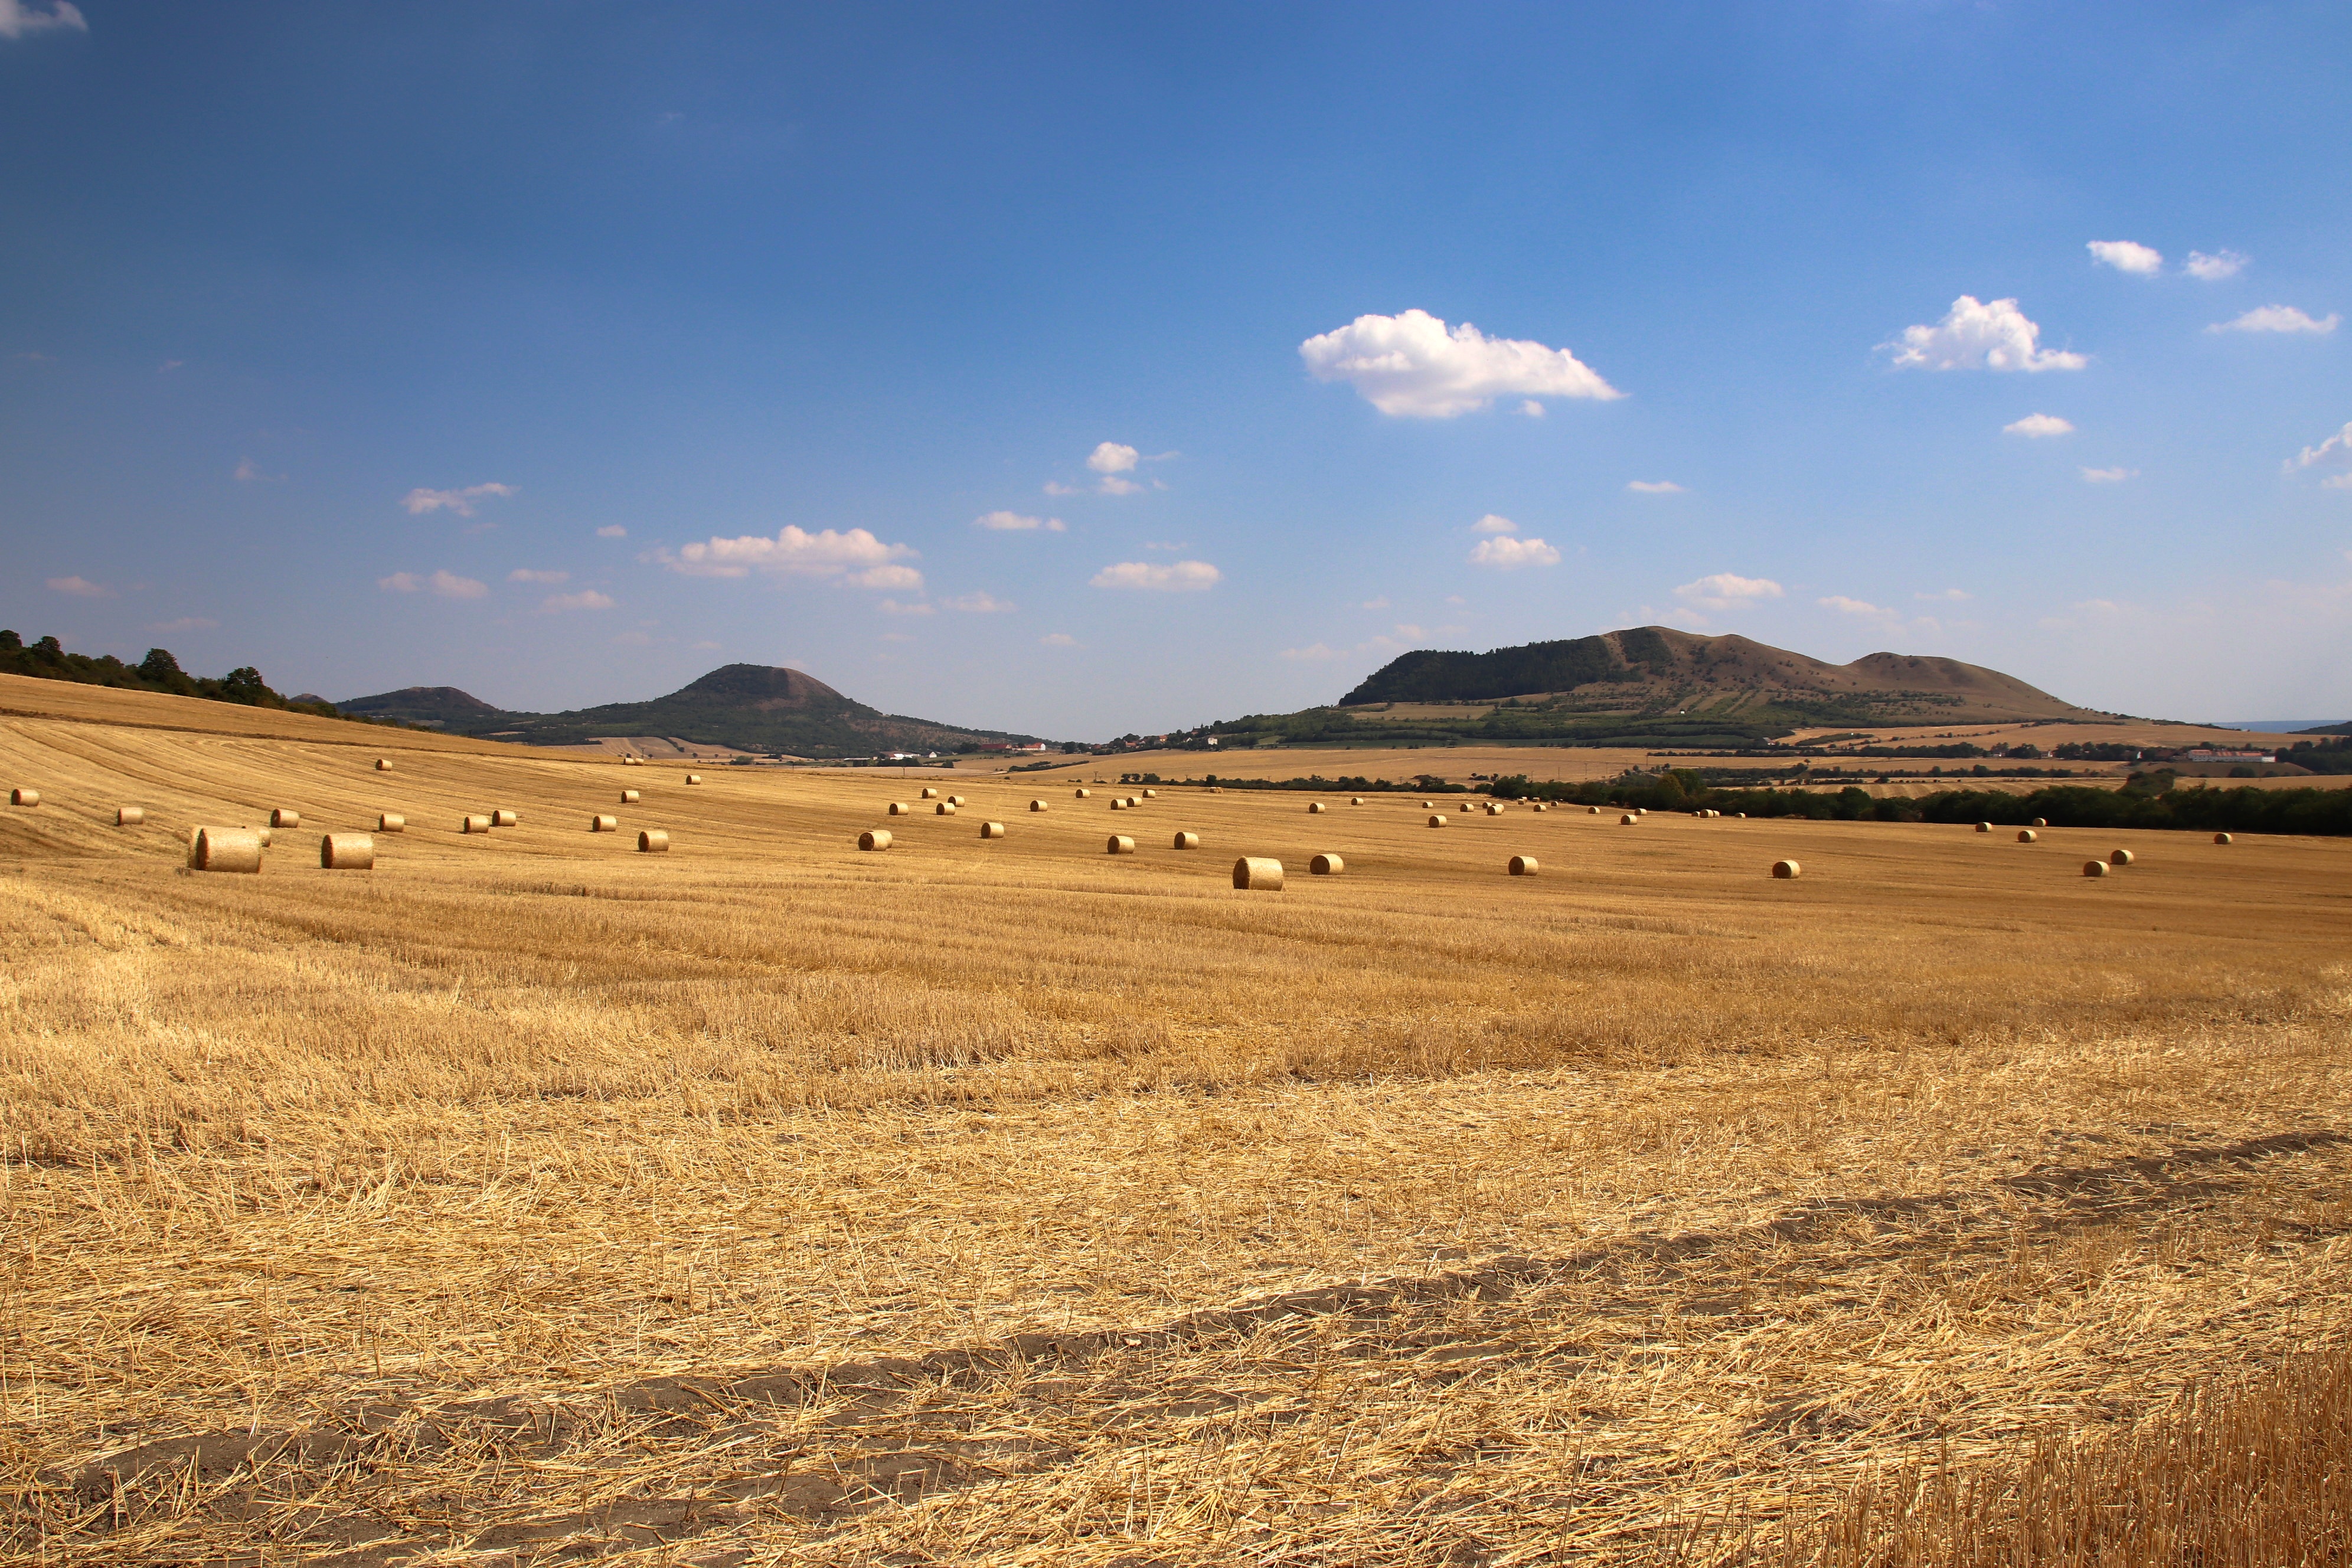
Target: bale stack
130, 815
476, 825
992, 831
1188, 841
1523, 866
391, 822
874, 839
1253, 874
1325, 866
1786, 870
225, 849
1036, 805
2095, 868
23, 797
603, 825
284, 818
653, 841
504, 819
384, 764
347, 852
1119, 843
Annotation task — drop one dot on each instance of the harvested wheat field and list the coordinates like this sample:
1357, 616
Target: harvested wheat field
527, 1198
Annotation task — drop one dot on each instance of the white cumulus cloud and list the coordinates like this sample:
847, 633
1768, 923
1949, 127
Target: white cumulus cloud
826, 553
1171, 576
1017, 522
2108, 476
586, 599
2035, 427
17, 19
1113, 457
1490, 523
1846, 607
448, 584
1725, 590
2126, 257
421, 500
2214, 267
904, 578
983, 603
1974, 335
2335, 452
525, 574
1653, 486
1504, 553
2278, 319
1414, 366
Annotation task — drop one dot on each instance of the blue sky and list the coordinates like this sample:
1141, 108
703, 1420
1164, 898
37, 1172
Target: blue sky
561, 353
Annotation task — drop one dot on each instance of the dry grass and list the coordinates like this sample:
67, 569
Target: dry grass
1008, 1202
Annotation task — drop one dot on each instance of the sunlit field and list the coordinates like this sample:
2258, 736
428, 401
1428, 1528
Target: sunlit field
527, 1196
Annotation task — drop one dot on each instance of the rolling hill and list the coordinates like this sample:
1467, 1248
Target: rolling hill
753, 707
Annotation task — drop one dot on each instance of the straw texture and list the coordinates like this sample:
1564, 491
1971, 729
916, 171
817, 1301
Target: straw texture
391, 822
1188, 841
129, 815
653, 841
1325, 866
284, 818
992, 831
1256, 874
603, 825
225, 849
874, 839
1119, 843
346, 852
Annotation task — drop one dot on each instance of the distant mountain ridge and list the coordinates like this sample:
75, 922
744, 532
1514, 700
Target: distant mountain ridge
750, 707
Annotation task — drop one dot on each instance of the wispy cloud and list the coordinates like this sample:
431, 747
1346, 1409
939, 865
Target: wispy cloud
1058, 640
1315, 653
187, 624
586, 599
2038, 426
898, 579
893, 607
1379, 603
1653, 486
2335, 452
1974, 335
2278, 319
17, 19
422, 500
1173, 576
1414, 366
1503, 554
525, 574
1726, 590
1490, 523
1862, 607
80, 588
611, 531
981, 603
826, 554
448, 584
2126, 257
1018, 522
248, 472
1955, 594
2213, 268
2108, 476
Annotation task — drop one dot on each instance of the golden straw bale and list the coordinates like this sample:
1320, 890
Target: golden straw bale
391, 822
653, 841
945, 808
694, 778
1119, 804
630, 797
1151, 794
130, 815
1437, 819
1539, 806
1314, 808
384, 764
2222, 839
1255, 875
955, 800
1119, 843
1325, 866
603, 825
1523, 866
476, 825
1628, 820
1188, 841
899, 808
929, 792
225, 849
23, 797
1082, 793
1037, 806
2095, 868
874, 839
1592, 811
2120, 857
992, 831
1786, 871
504, 819
2027, 835
264, 832
1358, 800
1984, 828
284, 818
1426, 804
2040, 821
346, 852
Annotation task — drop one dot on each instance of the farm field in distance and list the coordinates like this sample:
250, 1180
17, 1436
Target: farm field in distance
528, 1198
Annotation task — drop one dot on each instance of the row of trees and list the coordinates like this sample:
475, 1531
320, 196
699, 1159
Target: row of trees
47, 659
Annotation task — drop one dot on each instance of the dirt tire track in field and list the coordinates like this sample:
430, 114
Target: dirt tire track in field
825, 1443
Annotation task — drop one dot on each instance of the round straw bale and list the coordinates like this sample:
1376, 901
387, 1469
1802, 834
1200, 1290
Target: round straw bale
945, 808
264, 832
130, 815
1592, 811
874, 839
1786, 871
347, 852
1325, 866
476, 825
955, 800
1188, 841
1358, 800
1257, 876
384, 764
1151, 794
23, 797
1426, 804
992, 831
1494, 808
2095, 868
630, 797
2222, 839
1119, 843
1120, 805
603, 825
226, 850
284, 818
1437, 819
1523, 866
391, 822
1036, 805
1314, 808
1627, 820
1082, 793
2040, 821
1742, 815
2027, 835
653, 841
694, 778
930, 793
2120, 857
504, 819
1984, 828
899, 808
